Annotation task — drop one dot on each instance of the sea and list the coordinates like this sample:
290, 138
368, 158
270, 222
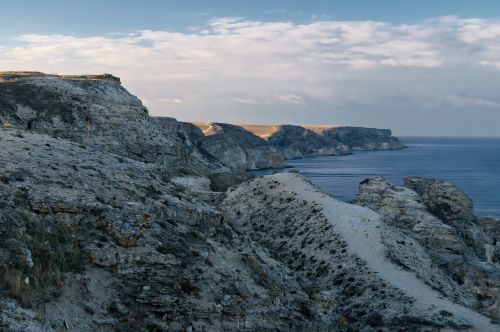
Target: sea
472, 164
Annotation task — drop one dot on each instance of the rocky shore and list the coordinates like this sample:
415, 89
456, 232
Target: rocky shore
109, 221
267, 146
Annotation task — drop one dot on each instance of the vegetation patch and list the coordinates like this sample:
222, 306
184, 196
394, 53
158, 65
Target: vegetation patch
34, 254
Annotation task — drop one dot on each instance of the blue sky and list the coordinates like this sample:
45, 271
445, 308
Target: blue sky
86, 17
418, 67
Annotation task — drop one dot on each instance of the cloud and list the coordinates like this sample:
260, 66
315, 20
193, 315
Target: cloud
170, 101
291, 99
354, 72
244, 101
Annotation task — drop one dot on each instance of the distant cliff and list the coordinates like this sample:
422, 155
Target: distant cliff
238, 148
306, 141
297, 142
360, 138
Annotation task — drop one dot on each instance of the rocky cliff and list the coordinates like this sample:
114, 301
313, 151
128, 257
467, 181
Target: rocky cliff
238, 148
307, 141
440, 218
298, 142
360, 270
266, 146
97, 111
360, 138
104, 231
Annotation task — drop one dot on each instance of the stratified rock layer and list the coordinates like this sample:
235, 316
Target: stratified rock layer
97, 111
298, 142
151, 255
108, 223
238, 148
363, 139
440, 217
359, 271
306, 141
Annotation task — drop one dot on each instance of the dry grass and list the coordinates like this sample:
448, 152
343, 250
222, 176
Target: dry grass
263, 277
263, 131
53, 250
202, 125
318, 129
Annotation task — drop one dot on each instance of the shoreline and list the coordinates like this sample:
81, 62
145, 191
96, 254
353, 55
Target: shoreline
344, 184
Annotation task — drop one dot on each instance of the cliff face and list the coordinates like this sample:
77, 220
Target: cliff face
95, 236
307, 141
360, 270
96, 111
299, 142
237, 148
440, 217
363, 139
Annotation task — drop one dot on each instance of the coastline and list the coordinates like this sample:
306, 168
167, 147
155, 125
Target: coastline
340, 175
110, 220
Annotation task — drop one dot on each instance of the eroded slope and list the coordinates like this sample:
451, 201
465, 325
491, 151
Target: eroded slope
341, 254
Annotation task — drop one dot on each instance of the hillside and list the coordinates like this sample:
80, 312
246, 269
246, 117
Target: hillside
109, 222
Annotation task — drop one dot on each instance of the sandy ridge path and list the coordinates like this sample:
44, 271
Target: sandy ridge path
361, 229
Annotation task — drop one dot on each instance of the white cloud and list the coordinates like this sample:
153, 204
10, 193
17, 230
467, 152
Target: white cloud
291, 99
220, 71
170, 101
244, 101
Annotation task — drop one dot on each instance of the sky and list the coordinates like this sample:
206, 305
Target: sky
426, 68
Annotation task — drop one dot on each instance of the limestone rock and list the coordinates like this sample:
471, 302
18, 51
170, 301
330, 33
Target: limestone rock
127, 227
357, 269
362, 139
444, 200
238, 148
439, 216
97, 111
299, 142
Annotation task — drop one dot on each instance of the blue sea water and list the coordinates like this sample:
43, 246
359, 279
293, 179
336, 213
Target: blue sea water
472, 164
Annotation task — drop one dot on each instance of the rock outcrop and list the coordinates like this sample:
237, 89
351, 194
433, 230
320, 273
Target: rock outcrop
444, 200
238, 148
109, 222
97, 241
307, 141
360, 272
440, 217
298, 142
97, 111
360, 138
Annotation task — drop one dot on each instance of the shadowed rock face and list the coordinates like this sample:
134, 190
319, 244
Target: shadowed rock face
444, 200
363, 139
440, 217
238, 148
305, 141
298, 142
